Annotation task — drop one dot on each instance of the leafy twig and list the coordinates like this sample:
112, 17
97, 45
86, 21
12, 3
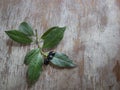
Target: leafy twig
36, 57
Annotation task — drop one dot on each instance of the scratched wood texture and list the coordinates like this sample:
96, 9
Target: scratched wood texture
92, 40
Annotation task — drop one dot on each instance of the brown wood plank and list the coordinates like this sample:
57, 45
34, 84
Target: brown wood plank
92, 40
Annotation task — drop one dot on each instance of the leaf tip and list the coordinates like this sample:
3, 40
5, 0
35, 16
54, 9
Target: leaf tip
23, 22
6, 31
63, 28
74, 65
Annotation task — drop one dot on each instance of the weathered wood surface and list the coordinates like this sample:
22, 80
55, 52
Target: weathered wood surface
92, 40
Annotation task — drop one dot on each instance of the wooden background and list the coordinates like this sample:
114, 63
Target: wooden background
92, 40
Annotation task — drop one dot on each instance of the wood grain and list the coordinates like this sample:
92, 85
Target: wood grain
92, 40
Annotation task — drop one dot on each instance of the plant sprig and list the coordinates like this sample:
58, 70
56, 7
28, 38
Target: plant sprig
36, 58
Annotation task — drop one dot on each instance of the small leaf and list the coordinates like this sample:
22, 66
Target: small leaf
61, 60
52, 37
35, 69
26, 29
18, 36
31, 56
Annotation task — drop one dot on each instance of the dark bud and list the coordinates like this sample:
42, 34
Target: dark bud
51, 55
46, 61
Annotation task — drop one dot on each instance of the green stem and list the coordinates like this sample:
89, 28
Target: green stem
37, 43
37, 39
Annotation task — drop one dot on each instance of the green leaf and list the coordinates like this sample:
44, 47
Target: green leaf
52, 37
26, 29
31, 56
61, 60
18, 36
35, 68
47, 32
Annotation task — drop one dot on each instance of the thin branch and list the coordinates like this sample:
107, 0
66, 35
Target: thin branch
37, 39
37, 42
